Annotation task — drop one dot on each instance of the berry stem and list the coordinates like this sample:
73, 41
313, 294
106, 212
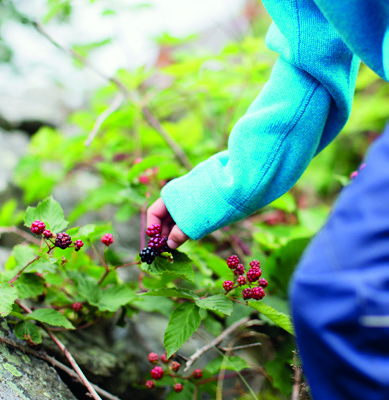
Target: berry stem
16, 277
99, 256
128, 264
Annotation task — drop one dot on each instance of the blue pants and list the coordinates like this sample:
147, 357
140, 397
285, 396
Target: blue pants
340, 291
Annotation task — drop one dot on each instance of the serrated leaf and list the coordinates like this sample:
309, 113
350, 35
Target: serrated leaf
181, 266
87, 287
8, 295
114, 297
50, 212
282, 320
162, 305
184, 321
219, 302
233, 363
50, 316
92, 231
27, 330
22, 255
171, 292
29, 285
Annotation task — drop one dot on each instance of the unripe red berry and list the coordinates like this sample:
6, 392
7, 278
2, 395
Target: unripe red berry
38, 227
77, 307
197, 373
228, 285
232, 261
47, 234
144, 179
107, 239
258, 293
263, 282
178, 387
253, 274
78, 244
157, 373
255, 263
153, 358
239, 270
153, 230
164, 359
150, 384
247, 294
242, 280
175, 366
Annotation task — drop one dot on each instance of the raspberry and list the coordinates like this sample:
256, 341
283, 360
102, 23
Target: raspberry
78, 244
197, 374
255, 263
247, 294
175, 366
47, 234
157, 243
150, 384
263, 282
38, 227
164, 359
178, 387
147, 255
253, 274
77, 307
232, 261
153, 230
258, 293
228, 285
107, 239
153, 358
63, 240
157, 373
239, 270
144, 179
242, 280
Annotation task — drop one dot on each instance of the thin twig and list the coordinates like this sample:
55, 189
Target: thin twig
55, 363
99, 256
21, 271
215, 342
21, 233
70, 358
297, 379
103, 116
128, 264
245, 346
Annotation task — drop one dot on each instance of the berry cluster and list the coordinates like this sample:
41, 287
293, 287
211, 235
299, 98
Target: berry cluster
156, 244
252, 275
168, 368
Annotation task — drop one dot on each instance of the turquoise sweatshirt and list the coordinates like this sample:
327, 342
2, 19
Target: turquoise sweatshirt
300, 110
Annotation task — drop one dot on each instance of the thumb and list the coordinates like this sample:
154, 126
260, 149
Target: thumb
176, 238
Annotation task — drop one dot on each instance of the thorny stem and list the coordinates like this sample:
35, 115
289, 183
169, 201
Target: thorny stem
21, 271
70, 358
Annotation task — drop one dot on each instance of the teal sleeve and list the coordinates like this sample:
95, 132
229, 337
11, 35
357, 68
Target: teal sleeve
303, 106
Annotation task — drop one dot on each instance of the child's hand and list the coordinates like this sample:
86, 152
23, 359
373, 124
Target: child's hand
158, 214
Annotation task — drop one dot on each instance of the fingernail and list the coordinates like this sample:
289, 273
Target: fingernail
172, 244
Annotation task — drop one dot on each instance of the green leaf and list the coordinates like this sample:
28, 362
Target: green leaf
183, 322
161, 305
27, 330
281, 374
171, 292
29, 285
8, 295
92, 231
219, 302
186, 394
282, 320
87, 287
233, 363
148, 162
181, 266
114, 297
22, 256
50, 316
285, 203
50, 212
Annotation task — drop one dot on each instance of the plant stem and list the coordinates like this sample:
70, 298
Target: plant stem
19, 232
21, 271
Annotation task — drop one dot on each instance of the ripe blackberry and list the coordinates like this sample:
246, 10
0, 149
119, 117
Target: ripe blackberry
178, 387
150, 384
228, 285
78, 244
239, 270
153, 358
175, 366
77, 307
232, 261
157, 373
153, 230
107, 239
255, 263
242, 280
63, 240
147, 255
253, 274
263, 282
258, 293
197, 373
38, 227
47, 234
247, 294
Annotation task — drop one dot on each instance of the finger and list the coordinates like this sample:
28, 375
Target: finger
176, 238
156, 212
